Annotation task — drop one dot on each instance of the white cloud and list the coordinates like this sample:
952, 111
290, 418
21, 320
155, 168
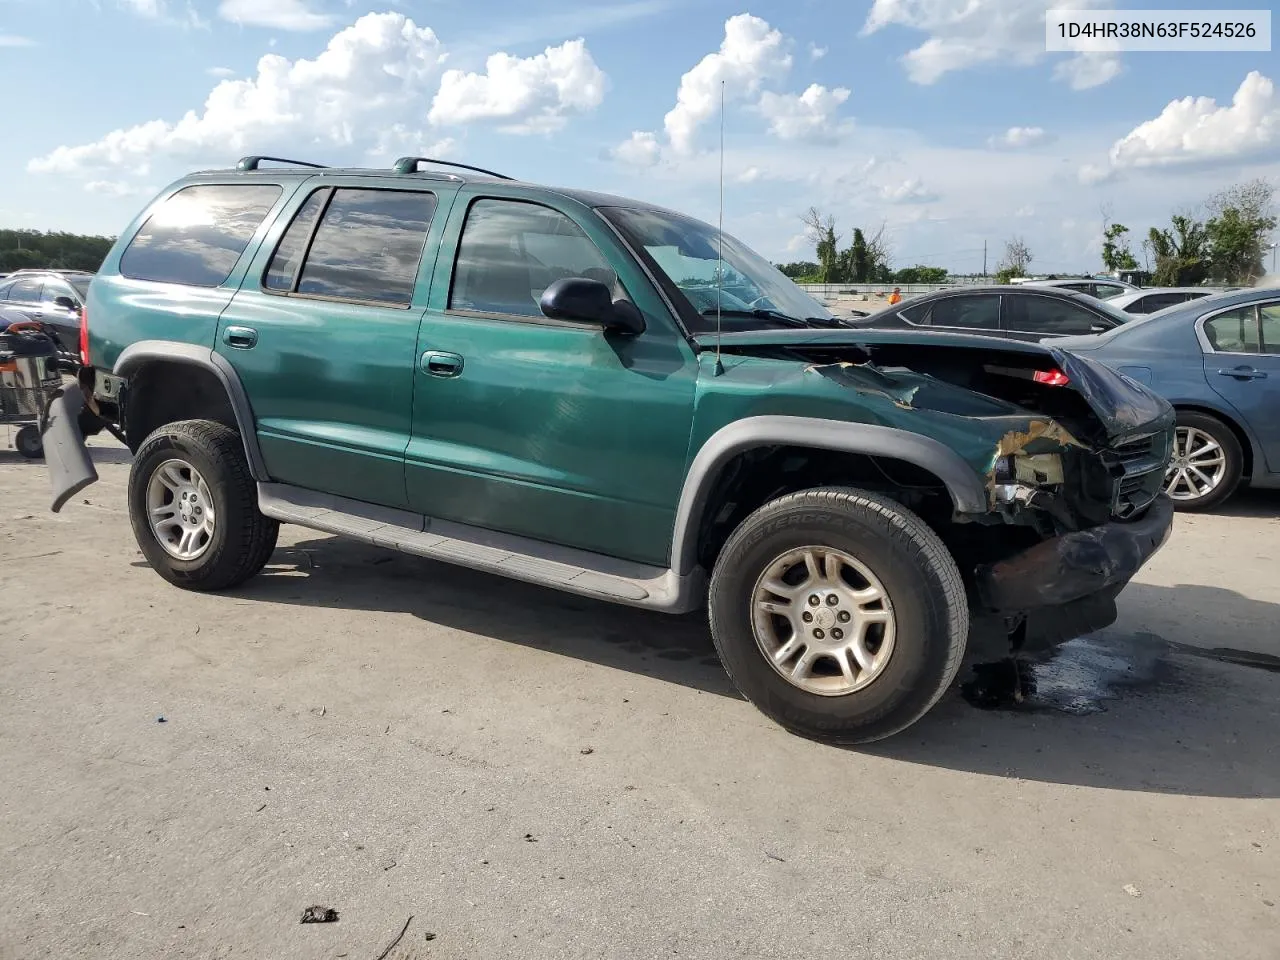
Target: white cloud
145, 8
1091, 174
115, 188
220, 72
373, 74
1088, 70
751, 53
276, 14
532, 94
816, 52
911, 190
1025, 212
641, 149
749, 175
1015, 138
13, 40
969, 33
807, 116
1198, 129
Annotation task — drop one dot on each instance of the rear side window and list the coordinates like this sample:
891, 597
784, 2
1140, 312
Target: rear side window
1235, 331
198, 234
918, 315
354, 244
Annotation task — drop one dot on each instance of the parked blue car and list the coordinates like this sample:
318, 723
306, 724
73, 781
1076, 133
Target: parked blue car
1217, 360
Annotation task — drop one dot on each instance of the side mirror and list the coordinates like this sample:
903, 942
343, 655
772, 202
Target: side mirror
590, 301
1099, 328
66, 303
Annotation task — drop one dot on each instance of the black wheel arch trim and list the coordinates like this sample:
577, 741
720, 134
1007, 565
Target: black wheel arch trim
968, 493
137, 355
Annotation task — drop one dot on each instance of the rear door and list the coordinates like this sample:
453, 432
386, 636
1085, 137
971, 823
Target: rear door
322, 332
1242, 364
1033, 316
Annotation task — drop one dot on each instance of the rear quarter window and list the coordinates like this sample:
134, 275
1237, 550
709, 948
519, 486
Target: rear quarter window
197, 235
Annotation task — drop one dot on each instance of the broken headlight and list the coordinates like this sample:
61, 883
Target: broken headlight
1019, 476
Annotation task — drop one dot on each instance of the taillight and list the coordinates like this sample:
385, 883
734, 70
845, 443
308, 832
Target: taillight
1051, 378
84, 336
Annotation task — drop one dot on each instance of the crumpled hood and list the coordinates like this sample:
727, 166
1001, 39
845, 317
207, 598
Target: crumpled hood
1122, 406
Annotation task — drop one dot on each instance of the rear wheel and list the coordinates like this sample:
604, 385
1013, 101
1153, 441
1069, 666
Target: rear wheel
839, 614
194, 507
1207, 462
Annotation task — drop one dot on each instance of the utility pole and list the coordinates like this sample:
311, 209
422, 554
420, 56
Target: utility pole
984, 259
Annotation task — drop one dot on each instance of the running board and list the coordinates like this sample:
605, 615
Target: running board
546, 564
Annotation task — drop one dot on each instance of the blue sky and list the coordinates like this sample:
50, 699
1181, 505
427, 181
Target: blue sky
943, 119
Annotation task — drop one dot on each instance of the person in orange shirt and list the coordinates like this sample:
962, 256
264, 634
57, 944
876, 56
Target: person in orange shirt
896, 296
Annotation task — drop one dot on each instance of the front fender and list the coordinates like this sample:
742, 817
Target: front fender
968, 492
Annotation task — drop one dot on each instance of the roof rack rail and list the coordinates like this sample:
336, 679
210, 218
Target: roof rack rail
410, 165
253, 163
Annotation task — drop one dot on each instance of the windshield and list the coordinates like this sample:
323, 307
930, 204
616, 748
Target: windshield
753, 292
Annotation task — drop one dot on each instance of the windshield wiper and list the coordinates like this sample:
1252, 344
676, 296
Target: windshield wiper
778, 315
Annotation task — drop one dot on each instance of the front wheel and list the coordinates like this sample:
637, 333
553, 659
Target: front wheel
839, 614
194, 507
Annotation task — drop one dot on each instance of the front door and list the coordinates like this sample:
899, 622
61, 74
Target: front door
551, 430
1243, 367
323, 335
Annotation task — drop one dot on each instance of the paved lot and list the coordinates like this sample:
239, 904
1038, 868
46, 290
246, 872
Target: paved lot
533, 775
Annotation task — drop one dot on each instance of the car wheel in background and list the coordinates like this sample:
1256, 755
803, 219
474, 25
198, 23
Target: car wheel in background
839, 614
194, 507
28, 443
1207, 462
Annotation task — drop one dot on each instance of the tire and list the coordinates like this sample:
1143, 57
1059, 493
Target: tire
236, 542
926, 603
1195, 425
28, 442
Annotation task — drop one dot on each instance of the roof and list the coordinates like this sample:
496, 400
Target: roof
410, 167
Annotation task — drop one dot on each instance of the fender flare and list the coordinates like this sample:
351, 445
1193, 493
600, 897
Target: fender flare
136, 355
968, 493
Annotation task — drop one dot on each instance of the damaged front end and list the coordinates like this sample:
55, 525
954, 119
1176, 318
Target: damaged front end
1072, 455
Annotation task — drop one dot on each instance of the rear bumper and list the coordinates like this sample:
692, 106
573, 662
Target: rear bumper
1075, 566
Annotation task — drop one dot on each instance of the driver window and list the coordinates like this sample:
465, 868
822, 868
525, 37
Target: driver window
511, 251
1235, 331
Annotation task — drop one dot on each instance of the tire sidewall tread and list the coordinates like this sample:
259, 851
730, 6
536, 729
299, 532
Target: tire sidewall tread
916, 569
243, 538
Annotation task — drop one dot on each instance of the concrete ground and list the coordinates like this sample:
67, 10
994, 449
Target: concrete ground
532, 775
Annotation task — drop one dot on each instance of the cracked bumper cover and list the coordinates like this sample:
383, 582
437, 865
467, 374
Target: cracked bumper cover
1077, 565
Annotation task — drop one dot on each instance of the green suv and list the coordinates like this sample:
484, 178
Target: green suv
605, 397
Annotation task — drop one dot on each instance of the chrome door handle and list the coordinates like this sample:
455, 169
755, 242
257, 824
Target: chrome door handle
1243, 373
436, 363
242, 338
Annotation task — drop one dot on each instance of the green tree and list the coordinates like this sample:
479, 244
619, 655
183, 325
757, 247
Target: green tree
1017, 257
55, 251
1240, 220
921, 274
859, 258
1181, 254
821, 231
801, 268
1115, 249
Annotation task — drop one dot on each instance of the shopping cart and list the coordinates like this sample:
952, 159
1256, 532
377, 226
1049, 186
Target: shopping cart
29, 378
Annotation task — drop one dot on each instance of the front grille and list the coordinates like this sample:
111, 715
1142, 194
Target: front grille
1138, 465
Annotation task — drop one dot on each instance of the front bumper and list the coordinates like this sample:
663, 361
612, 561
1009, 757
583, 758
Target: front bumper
1075, 566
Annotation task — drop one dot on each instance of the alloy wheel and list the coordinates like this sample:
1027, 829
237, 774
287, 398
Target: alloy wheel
1198, 467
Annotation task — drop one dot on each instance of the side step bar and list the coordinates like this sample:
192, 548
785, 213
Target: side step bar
546, 564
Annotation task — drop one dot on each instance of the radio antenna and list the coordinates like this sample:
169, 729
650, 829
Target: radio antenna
720, 238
